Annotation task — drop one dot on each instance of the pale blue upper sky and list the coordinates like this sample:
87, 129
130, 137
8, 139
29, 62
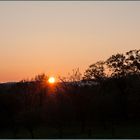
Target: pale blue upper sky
55, 37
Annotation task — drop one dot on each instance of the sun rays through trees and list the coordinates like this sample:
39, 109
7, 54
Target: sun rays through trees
103, 103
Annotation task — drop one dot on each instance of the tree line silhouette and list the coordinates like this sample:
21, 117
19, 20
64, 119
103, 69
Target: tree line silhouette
112, 102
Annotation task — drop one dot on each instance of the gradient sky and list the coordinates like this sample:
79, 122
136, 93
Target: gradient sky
56, 37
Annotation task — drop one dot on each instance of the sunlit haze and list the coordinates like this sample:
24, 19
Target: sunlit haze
51, 80
56, 37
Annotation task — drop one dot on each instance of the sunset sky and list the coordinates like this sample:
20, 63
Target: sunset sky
56, 37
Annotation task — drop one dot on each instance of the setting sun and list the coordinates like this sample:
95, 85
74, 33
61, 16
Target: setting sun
51, 80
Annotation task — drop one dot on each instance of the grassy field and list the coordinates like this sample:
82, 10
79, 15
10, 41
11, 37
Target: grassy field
119, 131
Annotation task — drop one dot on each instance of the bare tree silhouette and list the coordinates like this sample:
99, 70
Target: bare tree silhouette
95, 72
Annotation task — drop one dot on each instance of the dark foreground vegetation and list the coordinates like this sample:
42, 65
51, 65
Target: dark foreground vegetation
105, 105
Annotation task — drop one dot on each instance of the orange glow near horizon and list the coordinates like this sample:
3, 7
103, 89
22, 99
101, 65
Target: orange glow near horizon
56, 37
51, 80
